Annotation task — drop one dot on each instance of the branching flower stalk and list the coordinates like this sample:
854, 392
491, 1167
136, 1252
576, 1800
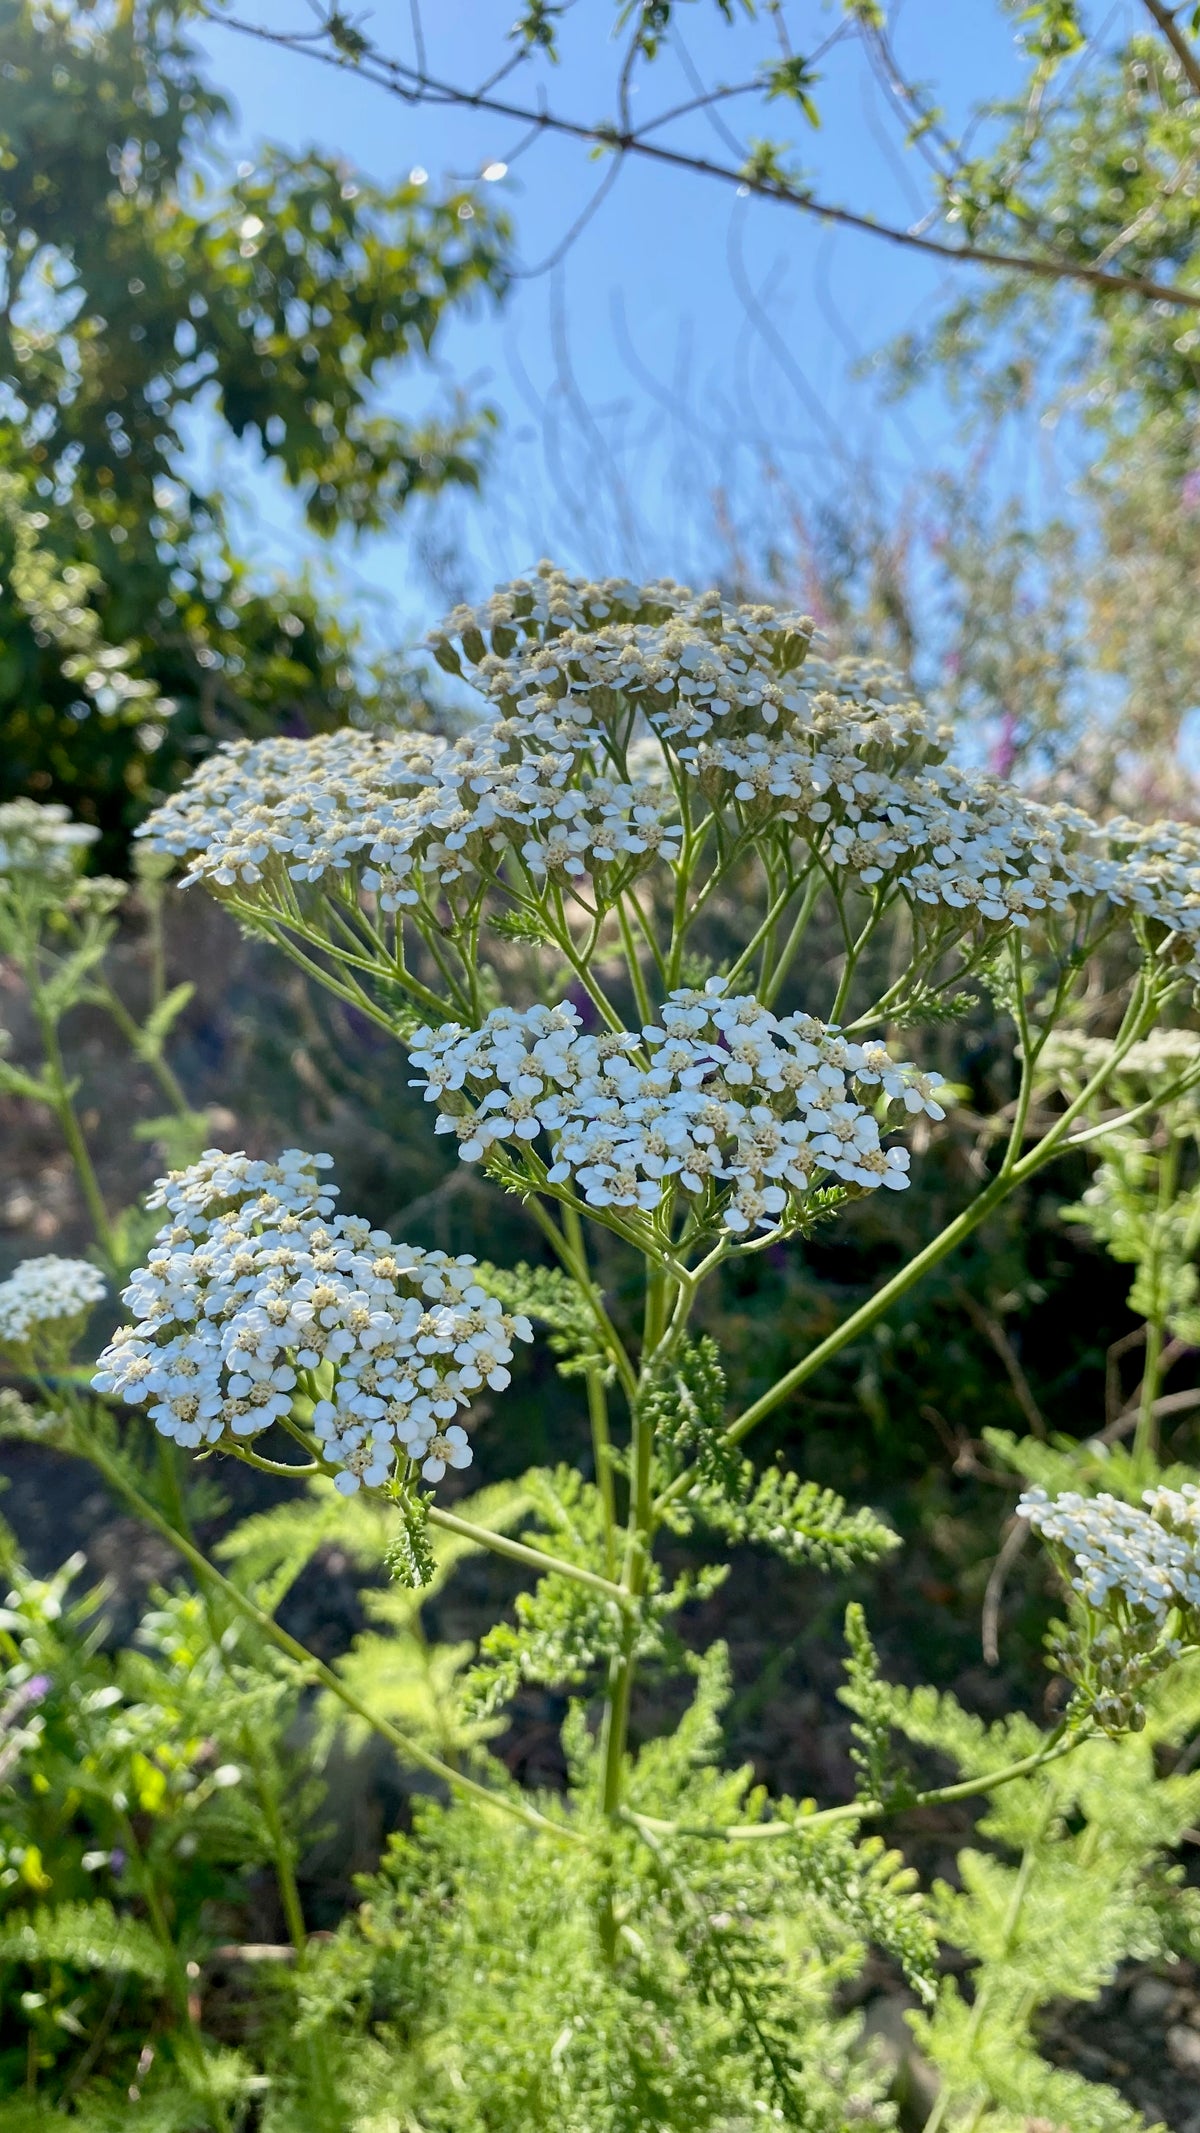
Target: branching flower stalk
645, 762
653, 933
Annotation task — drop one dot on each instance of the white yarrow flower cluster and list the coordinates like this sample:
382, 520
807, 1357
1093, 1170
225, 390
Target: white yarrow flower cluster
255, 1295
720, 1099
49, 1297
1165, 1056
407, 814
1149, 1558
603, 699
39, 839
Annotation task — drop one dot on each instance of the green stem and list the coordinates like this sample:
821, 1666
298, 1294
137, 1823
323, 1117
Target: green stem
647, 932
641, 997
853, 953
602, 1460
562, 1248
615, 1728
773, 985
167, 1081
281, 1853
152, 896
281, 1849
309, 1664
1056, 1745
1012, 1173
562, 939
597, 1400
72, 1131
176, 1969
983, 1996
775, 910
679, 915
533, 1558
1145, 1436
1029, 1055
1145, 1441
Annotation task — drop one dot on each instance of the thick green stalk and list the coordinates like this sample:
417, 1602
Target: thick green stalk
597, 1400
1145, 1441
615, 1728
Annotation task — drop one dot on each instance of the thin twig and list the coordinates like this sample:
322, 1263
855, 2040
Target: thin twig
991, 1327
406, 82
1014, 1541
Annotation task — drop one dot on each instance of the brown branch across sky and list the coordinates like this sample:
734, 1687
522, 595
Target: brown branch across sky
338, 44
1167, 19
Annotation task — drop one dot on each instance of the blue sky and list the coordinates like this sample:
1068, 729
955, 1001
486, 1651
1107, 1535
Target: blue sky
693, 353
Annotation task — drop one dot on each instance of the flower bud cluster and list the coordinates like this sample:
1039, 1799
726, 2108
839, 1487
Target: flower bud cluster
603, 700
1149, 1558
254, 1296
742, 1110
47, 1300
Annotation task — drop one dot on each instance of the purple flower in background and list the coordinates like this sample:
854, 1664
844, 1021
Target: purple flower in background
24, 1696
1004, 754
1189, 494
33, 1691
581, 1000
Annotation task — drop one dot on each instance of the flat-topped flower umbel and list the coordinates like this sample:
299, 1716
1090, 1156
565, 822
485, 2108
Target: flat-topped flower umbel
739, 1109
625, 730
257, 1304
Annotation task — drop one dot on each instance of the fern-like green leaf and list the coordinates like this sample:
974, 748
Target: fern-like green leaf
88, 1936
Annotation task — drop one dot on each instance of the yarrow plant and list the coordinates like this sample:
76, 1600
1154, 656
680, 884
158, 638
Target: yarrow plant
659, 933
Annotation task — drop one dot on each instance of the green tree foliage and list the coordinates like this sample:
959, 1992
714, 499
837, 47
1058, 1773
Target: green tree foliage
145, 287
1095, 607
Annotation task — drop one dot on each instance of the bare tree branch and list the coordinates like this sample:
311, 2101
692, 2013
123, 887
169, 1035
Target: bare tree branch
414, 86
1185, 53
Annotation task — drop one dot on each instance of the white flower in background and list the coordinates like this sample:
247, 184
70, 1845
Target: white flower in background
39, 839
719, 1096
1149, 1558
257, 1304
46, 1302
